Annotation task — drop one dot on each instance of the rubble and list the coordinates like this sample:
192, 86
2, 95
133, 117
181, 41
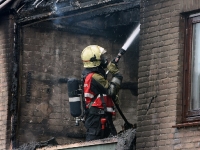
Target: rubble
35, 145
126, 140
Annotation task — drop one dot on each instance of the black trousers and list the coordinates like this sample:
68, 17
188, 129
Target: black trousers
93, 125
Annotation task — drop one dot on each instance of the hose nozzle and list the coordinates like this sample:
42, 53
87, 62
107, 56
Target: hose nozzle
116, 59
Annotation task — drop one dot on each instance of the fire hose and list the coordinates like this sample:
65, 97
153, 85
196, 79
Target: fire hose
122, 51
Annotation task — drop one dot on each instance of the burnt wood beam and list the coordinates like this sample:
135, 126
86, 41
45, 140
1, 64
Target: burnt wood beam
109, 26
15, 4
101, 11
104, 22
110, 33
58, 10
3, 5
112, 26
79, 16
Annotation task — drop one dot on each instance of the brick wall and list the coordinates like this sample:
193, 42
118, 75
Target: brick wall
47, 56
6, 47
160, 74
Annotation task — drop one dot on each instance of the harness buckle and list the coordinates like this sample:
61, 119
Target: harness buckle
101, 112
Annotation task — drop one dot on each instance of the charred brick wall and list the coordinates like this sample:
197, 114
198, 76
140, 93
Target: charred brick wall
6, 49
48, 57
160, 74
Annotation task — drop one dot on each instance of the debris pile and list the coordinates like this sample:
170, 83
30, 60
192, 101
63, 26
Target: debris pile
35, 145
127, 140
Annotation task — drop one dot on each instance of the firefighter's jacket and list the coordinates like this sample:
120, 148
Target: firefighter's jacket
94, 85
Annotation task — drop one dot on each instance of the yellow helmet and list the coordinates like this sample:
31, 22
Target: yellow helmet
91, 56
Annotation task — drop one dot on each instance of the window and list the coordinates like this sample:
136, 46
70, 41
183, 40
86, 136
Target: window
191, 96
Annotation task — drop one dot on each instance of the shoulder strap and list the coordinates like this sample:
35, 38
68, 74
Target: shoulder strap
92, 101
103, 102
82, 95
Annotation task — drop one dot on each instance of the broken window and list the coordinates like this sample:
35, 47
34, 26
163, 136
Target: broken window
192, 69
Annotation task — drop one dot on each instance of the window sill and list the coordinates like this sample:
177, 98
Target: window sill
188, 124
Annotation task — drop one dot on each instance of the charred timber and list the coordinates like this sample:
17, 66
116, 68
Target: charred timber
15, 4
106, 31
60, 10
3, 5
104, 11
15, 86
35, 145
80, 14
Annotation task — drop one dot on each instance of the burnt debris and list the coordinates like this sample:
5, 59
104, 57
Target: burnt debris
35, 145
14, 87
127, 140
82, 17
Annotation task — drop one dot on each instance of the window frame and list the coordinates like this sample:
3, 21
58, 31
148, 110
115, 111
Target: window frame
189, 115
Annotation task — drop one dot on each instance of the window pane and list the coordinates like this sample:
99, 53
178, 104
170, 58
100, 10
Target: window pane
195, 72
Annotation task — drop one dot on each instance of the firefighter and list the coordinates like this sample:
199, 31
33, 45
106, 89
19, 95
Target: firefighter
99, 93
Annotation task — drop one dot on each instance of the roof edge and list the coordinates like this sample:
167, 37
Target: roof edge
69, 12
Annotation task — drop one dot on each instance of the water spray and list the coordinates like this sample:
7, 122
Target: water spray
126, 45
131, 38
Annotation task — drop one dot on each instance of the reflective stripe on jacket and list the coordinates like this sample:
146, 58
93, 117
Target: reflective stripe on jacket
89, 95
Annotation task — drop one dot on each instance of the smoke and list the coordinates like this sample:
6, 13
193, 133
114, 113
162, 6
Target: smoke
56, 8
